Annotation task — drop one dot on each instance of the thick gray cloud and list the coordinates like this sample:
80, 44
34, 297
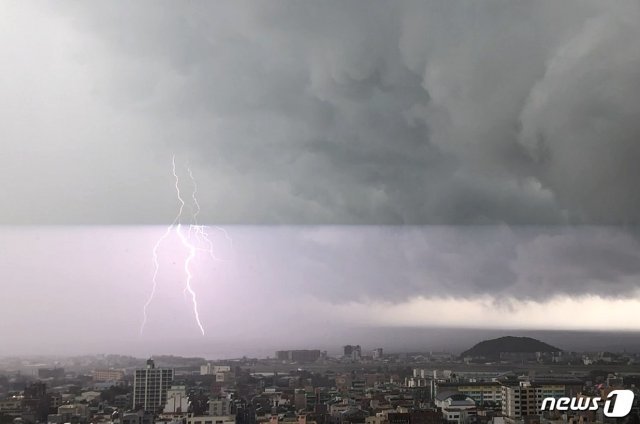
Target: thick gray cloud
396, 264
332, 112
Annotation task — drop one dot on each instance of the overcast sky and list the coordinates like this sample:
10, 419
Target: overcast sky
399, 115
322, 113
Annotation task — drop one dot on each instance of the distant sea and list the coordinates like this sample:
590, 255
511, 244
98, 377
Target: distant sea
399, 340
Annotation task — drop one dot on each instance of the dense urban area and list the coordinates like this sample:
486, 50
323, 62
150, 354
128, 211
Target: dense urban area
499, 381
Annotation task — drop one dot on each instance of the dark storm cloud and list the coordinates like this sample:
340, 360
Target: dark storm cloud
396, 264
333, 112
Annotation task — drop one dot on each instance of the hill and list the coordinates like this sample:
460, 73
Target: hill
492, 348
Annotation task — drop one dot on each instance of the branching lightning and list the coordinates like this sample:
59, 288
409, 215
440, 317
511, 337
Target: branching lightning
192, 254
195, 230
199, 230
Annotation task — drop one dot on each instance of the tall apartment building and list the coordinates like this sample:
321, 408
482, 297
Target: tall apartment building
525, 398
520, 401
150, 386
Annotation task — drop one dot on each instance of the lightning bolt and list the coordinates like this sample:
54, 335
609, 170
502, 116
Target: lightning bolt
192, 254
156, 263
199, 230
201, 235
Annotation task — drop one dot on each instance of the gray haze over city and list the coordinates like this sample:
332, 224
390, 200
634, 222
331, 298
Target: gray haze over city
375, 172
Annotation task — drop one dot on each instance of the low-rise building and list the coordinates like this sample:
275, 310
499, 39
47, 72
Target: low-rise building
456, 407
108, 375
212, 419
11, 406
483, 393
212, 369
220, 407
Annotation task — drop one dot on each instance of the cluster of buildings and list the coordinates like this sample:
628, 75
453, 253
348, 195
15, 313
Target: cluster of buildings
343, 392
508, 398
301, 356
350, 354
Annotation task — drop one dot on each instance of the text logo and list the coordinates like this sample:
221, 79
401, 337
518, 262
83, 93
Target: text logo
618, 403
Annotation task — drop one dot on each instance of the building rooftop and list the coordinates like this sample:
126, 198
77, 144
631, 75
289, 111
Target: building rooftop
469, 383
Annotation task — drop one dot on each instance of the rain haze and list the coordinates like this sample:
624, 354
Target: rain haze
370, 171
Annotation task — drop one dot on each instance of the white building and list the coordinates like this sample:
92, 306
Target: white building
456, 407
417, 382
212, 419
481, 392
210, 369
177, 400
420, 372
